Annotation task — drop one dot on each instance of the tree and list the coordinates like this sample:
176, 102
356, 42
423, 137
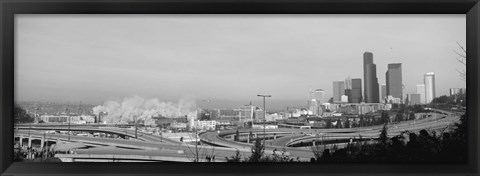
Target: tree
385, 117
362, 121
383, 134
398, 117
339, 124
329, 124
237, 136
347, 124
257, 151
21, 115
236, 158
442, 100
411, 116
463, 61
198, 152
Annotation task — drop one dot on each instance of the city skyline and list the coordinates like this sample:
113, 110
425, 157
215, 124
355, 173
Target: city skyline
103, 57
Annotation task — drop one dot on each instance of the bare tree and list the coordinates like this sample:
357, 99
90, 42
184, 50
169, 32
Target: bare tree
200, 153
463, 60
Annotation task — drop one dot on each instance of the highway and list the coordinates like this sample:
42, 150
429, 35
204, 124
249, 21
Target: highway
112, 130
140, 149
436, 122
150, 147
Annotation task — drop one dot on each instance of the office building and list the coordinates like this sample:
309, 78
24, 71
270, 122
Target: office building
371, 93
318, 95
393, 100
457, 91
454, 91
429, 81
383, 93
394, 80
247, 112
344, 99
338, 90
315, 107
356, 92
421, 91
348, 83
414, 99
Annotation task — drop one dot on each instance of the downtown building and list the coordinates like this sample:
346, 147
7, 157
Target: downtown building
316, 101
247, 112
371, 93
338, 91
429, 81
414, 99
383, 93
394, 86
355, 92
457, 91
421, 91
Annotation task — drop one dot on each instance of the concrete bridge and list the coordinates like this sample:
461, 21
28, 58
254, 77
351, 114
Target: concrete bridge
121, 132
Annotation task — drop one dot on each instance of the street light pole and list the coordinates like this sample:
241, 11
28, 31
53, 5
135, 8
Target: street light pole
136, 137
36, 115
66, 110
264, 116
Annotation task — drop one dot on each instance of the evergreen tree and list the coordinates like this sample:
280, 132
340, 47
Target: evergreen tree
383, 134
329, 124
347, 124
237, 136
257, 151
385, 118
339, 124
411, 116
21, 115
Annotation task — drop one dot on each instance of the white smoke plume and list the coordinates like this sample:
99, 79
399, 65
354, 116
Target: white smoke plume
144, 109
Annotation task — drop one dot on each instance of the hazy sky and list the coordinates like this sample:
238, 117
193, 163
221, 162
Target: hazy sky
226, 58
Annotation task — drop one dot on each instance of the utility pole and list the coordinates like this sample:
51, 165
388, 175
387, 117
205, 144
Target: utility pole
36, 115
136, 137
265, 116
68, 116
43, 148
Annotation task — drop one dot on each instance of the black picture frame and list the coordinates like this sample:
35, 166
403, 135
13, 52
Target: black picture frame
8, 8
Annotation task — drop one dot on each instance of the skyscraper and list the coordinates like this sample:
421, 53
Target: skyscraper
414, 99
383, 94
429, 80
371, 94
338, 90
394, 80
348, 83
421, 91
319, 95
356, 92
316, 101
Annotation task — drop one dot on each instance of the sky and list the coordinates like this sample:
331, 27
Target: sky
228, 59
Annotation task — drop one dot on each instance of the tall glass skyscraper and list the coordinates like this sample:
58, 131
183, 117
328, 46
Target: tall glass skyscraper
394, 80
429, 81
371, 94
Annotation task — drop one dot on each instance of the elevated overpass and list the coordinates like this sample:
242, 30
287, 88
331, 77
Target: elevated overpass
95, 129
437, 122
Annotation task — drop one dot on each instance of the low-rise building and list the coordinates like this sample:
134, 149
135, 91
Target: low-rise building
205, 124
